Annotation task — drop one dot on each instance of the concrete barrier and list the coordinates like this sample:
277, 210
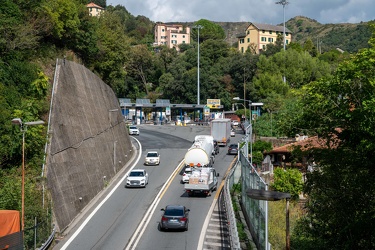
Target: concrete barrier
89, 141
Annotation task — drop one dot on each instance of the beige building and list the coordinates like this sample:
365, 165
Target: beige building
94, 10
171, 35
258, 35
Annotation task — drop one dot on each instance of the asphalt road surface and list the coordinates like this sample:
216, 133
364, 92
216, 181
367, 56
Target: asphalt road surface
127, 218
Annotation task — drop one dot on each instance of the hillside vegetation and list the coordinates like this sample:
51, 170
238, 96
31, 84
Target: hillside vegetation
346, 36
305, 90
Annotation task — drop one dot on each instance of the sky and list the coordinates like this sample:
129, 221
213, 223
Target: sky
258, 11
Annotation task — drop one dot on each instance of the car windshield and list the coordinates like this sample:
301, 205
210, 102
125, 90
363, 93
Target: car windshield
188, 171
132, 127
136, 174
174, 212
152, 155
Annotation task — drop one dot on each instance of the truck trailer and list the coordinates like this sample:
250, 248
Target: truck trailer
202, 181
201, 153
220, 131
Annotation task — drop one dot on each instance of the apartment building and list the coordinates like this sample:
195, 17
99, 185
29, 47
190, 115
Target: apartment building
171, 35
94, 10
258, 35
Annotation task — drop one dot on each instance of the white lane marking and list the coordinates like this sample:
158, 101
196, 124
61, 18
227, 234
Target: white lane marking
101, 203
143, 225
205, 225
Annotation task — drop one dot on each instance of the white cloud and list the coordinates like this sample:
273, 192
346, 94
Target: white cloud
266, 11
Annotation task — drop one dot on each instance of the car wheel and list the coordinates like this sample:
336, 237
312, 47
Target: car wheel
160, 227
187, 227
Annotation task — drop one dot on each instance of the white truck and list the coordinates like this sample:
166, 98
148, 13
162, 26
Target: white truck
202, 181
201, 153
220, 131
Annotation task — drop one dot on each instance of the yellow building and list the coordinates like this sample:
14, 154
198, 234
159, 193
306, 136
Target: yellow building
94, 10
258, 35
171, 35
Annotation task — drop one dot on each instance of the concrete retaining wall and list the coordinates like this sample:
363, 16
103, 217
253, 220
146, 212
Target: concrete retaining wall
89, 143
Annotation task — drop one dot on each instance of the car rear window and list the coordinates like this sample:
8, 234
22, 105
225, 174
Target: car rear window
152, 155
174, 212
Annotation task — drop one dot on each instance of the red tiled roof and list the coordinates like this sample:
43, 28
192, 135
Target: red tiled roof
92, 5
309, 143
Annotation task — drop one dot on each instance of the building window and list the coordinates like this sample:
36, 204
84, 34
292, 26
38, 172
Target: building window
263, 31
162, 30
242, 49
248, 39
90, 9
270, 32
264, 47
174, 42
286, 33
248, 32
242, 40
263, 39
286, 41
183, 41
270, 40
183, 36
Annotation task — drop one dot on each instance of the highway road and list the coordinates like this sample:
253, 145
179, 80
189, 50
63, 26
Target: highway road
127, 218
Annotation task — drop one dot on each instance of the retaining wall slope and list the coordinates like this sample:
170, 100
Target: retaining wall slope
89, 141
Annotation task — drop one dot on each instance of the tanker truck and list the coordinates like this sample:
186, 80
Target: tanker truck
199, 158
201, 153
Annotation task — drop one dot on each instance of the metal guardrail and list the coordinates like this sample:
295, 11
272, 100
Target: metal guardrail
48, 242
231, 217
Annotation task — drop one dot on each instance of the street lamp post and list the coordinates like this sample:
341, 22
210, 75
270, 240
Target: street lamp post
198, 94
251, 129
283, 3
23, 127
268, 195
251, 126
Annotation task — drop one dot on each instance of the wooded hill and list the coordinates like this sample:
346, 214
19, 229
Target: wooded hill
346, 36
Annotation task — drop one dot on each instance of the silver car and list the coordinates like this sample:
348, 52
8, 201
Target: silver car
174, 217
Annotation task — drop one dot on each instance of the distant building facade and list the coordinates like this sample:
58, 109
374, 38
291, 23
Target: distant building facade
94, 10
258, 35
171, 35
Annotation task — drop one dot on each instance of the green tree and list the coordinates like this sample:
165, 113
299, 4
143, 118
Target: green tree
288, 181
63, 18
340, 208
209, 30
113, 52
140, 65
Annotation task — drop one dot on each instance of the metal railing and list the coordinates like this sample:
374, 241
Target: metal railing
231, 217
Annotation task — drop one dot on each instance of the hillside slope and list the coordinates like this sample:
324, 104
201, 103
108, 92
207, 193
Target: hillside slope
346, 36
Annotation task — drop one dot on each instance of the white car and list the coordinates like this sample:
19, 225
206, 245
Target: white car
232, 133
133, 130
234, 123
186, 175
137, 178
152, 158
